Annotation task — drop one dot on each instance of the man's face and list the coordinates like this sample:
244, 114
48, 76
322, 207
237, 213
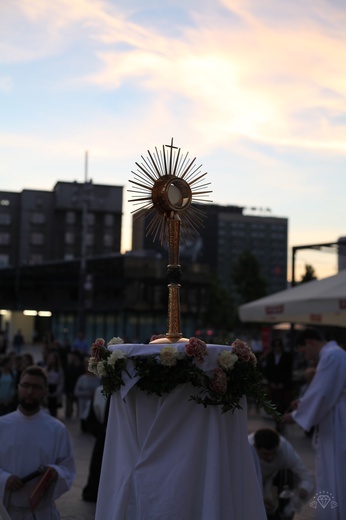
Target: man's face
310, 350
31, 392
267, 455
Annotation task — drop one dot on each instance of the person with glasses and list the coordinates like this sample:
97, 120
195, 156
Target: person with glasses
31, 440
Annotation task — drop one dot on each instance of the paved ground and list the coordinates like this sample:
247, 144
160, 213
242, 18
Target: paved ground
72, 507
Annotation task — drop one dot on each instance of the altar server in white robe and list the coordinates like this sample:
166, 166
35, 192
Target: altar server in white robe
324, 406
31, 438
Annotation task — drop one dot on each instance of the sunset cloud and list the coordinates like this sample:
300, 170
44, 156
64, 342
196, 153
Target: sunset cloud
253, 87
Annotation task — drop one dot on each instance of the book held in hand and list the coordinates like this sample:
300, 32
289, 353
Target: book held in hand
41, 488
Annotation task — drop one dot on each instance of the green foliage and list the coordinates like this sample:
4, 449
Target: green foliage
309, 274
247, 277
221, 311
223, 387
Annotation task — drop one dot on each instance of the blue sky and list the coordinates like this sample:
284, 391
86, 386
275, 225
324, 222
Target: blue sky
256, 90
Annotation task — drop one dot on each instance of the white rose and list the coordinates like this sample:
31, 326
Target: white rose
169, 356
92, 365
227, 359
115, 341
101, 369
115, 355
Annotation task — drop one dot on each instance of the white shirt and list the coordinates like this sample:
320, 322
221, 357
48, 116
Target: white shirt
26, 442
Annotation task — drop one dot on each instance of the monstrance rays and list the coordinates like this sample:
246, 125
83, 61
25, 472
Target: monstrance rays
166, 185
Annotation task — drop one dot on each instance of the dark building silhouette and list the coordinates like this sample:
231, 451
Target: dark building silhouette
74, 220
226, 233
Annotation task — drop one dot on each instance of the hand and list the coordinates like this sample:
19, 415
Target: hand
14, 483
287, 418
295, 404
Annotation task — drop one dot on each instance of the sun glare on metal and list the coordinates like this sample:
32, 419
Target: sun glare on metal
165, 185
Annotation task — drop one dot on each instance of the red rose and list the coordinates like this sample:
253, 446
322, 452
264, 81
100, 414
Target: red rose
96, 349
219, 382
196, 348
243, 351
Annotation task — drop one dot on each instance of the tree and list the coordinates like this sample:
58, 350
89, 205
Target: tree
247, 277
221, 312
309, 274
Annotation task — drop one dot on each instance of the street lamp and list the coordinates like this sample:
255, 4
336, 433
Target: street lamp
310, 246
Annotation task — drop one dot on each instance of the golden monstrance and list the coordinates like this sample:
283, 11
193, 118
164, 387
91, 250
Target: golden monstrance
165, 185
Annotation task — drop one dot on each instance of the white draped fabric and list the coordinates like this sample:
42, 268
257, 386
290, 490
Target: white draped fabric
167, 458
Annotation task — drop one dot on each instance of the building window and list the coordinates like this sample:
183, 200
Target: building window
38, 218
36, 259
70, 217
240, 225
89, 239
69, 237
37, 239
4, 239
109, 220
4, 260
90, 219
108, 240
5, 219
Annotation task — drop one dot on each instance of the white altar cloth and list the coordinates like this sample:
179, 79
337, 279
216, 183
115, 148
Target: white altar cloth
168, 458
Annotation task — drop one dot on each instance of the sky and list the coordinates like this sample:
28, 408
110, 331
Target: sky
254, 89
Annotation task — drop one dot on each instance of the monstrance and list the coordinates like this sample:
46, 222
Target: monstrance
166, 183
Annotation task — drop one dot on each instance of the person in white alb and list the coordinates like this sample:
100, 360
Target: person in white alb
323, 405
30, 438
286, 481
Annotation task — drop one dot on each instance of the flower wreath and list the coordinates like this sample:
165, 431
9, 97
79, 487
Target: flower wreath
237, 374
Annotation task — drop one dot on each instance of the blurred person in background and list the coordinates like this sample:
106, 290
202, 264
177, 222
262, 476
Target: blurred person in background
98, 417
8, 386
24, 361
18, 341
56, 382
81, 344
74, 368
278, 372
84, 391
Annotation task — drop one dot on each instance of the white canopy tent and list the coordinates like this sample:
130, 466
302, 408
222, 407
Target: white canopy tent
319, 302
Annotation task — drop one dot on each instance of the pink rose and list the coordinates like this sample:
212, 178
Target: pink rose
243, 351
196, 348
219, 382
96, 349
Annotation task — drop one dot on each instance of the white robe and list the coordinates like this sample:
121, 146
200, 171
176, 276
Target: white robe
26, 442
286, 458
324, 406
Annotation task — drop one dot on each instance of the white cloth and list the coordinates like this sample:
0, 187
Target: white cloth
286, 458
324, 405
26, 442
168, 458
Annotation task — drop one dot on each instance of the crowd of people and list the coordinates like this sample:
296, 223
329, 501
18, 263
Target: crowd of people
70, 384
32, 392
